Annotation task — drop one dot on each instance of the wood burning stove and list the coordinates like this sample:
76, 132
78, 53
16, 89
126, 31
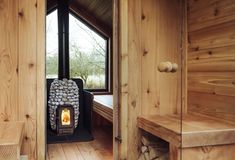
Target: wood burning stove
65, 120
61, 133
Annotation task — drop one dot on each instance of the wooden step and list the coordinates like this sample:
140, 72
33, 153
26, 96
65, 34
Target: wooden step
11, 135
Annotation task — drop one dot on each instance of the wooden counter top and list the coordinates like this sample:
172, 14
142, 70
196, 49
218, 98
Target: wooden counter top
195, 130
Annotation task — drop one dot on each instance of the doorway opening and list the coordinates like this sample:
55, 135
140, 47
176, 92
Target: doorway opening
81, 44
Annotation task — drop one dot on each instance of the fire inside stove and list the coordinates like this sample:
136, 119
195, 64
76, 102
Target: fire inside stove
65, 117
65, 121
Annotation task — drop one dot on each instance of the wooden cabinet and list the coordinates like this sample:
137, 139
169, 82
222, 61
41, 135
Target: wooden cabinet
192, 108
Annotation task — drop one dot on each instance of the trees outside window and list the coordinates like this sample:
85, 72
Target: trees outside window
88, 54
88, 51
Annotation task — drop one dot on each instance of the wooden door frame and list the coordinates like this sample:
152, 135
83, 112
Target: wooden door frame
116, 100
41, 81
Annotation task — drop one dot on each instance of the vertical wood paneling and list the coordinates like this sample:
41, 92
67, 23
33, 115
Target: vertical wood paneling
41, 81
134, 75
28, 74
149, 55
22, 63
169, 50
161, 92
8, 60
123, 10
150, 33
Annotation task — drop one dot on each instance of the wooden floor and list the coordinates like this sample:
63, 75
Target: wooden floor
99, 149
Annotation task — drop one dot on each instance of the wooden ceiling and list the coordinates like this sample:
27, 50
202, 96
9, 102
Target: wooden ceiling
96, 12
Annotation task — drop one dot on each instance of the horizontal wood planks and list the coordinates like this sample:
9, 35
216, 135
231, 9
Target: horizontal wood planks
203, 14
211, 58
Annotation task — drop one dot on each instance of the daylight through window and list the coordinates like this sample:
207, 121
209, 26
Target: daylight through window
52, 45
88, 52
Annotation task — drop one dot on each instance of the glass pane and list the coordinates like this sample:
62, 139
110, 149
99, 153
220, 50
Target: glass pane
88, 51
52, 45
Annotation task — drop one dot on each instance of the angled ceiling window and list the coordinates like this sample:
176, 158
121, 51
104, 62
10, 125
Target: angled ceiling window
88, 55
88, 51
52, 45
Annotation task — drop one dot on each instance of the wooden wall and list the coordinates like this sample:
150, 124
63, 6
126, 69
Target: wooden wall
211, 58
22, 62
150, 33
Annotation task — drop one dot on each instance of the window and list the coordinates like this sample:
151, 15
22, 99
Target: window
88, 55
52, 45
88, 49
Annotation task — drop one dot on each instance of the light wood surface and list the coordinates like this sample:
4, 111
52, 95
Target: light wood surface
11, 135
206, 14
28, 74
99, 149
9, 107
123, 84
41, 80
150, 33
160, 42
211, 58
116, 79
224, 152
195, 130
211, 73
103, 105
22, 69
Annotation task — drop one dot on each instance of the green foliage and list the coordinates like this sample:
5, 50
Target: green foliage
52, 65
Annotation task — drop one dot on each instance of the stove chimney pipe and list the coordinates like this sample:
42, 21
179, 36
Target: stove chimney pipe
63, 35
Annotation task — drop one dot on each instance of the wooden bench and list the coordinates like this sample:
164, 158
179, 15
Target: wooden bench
11, 135
194, 132
103, 105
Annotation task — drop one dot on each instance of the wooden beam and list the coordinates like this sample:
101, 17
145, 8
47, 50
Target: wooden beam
28, 74
41, 81
116, 79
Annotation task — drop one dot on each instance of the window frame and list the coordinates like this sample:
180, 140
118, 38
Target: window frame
108, 57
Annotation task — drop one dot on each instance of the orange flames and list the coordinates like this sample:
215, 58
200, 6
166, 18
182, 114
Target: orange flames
65, 116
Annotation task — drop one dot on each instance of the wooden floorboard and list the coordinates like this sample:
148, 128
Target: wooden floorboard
99, 149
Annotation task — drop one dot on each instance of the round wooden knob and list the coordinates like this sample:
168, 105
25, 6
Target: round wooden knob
174, 67
167, 67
